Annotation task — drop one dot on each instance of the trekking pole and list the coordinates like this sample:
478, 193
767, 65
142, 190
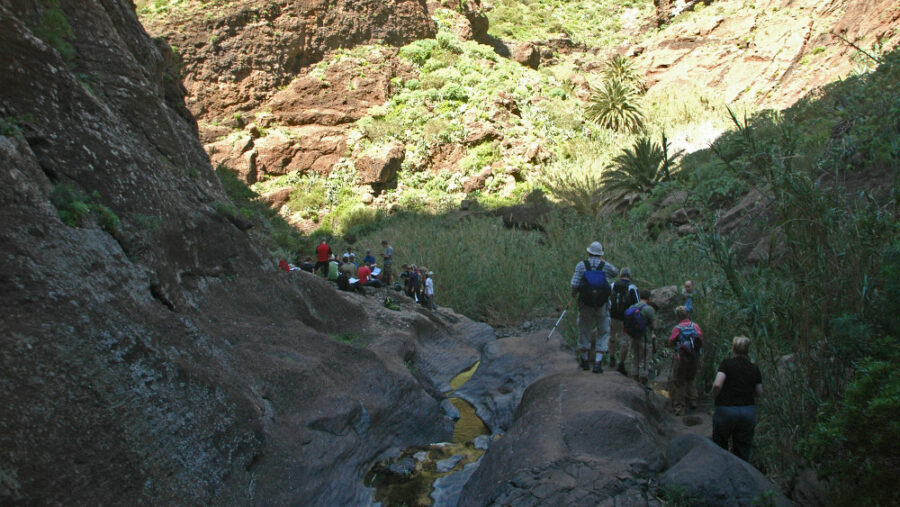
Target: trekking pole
559, 319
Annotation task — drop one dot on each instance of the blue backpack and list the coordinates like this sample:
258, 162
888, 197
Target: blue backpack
688, 344
634, 323
594, 290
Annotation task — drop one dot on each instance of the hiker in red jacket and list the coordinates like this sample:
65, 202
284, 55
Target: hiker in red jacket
323, 252
687, 338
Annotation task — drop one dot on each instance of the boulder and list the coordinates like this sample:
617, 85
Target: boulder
713, 476
277, 198
665, 299
528, 217
577, 439
527, 54
380, 169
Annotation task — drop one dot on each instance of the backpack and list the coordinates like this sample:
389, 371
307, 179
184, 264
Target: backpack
621, 299
688, 345
594, 291
634, 322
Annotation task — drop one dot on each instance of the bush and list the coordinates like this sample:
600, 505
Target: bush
858, 440
75, 207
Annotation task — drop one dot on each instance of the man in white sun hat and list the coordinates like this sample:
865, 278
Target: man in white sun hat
591, 283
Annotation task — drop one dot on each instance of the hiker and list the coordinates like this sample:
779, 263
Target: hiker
388, 261
590, 283
333, 268
429, 291
348, 267
365, 276
640, 323
688, 293
412, 281
738, 383
307, 265
348, 283
323, 251
624, 294
687, 339
369, 258
283, 265
350, 255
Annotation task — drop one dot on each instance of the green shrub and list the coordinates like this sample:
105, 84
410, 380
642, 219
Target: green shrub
75, 207
858, 440
614, 106
54, 29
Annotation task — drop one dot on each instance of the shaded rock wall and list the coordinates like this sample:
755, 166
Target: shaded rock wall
159, 358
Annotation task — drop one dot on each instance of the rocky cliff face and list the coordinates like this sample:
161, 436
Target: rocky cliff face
150, 353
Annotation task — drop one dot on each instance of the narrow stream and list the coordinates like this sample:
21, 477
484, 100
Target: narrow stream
408, 479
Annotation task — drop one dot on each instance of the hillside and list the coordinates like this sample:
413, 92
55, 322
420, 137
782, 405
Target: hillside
482, 100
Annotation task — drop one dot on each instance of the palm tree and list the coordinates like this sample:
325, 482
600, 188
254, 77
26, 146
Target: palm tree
638, 169
621, 68
614, 106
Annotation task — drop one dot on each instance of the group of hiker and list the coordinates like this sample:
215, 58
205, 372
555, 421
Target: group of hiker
615, 313
352, 275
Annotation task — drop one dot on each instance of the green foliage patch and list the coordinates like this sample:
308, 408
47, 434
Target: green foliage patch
75, 207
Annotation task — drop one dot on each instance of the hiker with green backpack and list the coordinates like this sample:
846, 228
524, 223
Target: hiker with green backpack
639, 324
591, 284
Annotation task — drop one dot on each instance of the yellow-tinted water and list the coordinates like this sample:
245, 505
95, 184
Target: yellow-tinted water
463, 377
469, 424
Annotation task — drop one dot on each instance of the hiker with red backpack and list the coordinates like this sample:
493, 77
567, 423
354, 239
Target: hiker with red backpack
590, 283
639, 324
687, 339
624, 294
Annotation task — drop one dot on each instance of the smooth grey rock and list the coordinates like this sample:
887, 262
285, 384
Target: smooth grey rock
445, 465
482, 442
713, 476
405, 467
450, 410
448, 488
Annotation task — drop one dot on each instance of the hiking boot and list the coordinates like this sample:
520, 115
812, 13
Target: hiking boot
583, 364
621, 368
598, 368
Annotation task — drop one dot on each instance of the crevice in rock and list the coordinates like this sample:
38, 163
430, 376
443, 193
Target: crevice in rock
157, 292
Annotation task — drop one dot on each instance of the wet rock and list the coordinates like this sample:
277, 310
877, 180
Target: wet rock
404, 467
508, 366
482, 442
714, 476
449, 409
445, 465
448, 488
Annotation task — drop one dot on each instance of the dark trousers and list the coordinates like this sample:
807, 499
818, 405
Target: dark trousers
736, 423
323, 267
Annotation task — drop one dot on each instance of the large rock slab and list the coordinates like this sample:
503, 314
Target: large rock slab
713, 476
507, 368
577, 439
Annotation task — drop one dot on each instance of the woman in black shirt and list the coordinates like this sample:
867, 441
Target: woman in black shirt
737, 384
